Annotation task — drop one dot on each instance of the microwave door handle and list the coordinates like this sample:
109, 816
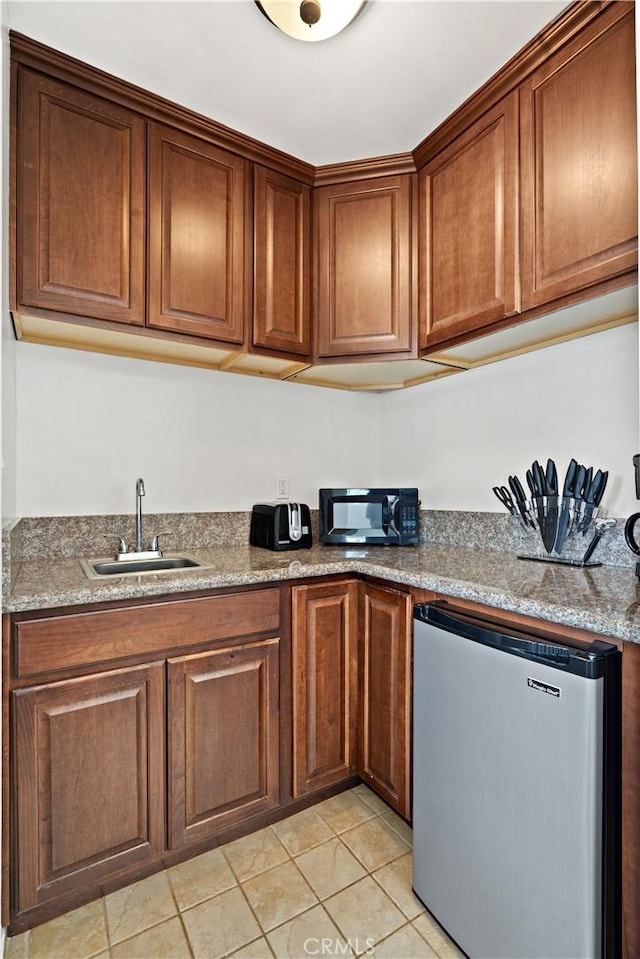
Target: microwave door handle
395, 522
385, 516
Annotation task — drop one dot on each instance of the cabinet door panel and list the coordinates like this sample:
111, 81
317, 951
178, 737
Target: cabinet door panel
386, 696
364, 267
89, 769
324, 685
282, 263
468, 247
197, 263
223, 739
579, 163
80, 203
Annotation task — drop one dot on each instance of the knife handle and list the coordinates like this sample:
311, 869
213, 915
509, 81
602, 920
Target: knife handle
516, 489
538, 479
578, 489
551, 478
570, 479
530, 483
599, 493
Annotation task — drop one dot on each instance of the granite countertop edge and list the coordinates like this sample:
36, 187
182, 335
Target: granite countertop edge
607, 603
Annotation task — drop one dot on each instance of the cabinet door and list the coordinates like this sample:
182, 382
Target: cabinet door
579, 162
282, 263
468, 251
223, 739
198, 231
324, 685
88, 765
363, 240
80, 196
385, 696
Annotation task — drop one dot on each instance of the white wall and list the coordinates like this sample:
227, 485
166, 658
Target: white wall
88, 425
464, 434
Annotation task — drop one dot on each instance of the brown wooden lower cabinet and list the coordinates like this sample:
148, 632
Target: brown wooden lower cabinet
89, 780
92, 708
324, 684
385, 695
223, 738
352, 688
120, 765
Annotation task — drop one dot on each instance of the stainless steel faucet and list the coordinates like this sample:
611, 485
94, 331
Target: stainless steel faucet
139, 552
139, 495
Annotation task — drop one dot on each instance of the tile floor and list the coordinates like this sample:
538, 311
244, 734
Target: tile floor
333, 880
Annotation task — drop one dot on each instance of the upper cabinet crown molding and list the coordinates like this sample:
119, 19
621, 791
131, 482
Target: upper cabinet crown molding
551, 38
37, 55
349, 172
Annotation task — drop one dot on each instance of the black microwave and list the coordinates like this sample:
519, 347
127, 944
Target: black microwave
377, 517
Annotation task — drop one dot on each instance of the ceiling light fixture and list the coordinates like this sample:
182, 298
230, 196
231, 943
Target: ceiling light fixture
311, 19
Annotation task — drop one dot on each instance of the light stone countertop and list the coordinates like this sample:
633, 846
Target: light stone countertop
605, 600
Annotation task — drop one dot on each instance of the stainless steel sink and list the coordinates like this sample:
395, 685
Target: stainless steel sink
99, 568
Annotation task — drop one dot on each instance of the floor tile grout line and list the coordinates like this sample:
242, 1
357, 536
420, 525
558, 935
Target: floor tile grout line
180, 919
396, 904
230, 863
253, 912
381, 941
105, 915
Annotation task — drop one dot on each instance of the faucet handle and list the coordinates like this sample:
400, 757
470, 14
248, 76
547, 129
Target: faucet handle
154, 545
122, 543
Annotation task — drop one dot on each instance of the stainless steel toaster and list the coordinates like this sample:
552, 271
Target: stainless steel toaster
280, 526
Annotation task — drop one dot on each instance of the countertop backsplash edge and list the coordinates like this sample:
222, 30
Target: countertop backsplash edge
52, 537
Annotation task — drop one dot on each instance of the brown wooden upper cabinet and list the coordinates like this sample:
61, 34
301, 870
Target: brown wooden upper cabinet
80, 202
468, 229
363, 261
579, 162
282, 263
198, 265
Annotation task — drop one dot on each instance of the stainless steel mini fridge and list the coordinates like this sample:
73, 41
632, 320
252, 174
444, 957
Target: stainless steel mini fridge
516, 788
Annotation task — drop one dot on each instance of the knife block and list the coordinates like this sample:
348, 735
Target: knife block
567, 528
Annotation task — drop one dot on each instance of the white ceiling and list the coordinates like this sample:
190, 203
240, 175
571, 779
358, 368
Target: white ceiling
378, 88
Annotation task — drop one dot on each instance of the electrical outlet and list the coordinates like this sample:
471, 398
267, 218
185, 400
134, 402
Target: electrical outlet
283, 487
